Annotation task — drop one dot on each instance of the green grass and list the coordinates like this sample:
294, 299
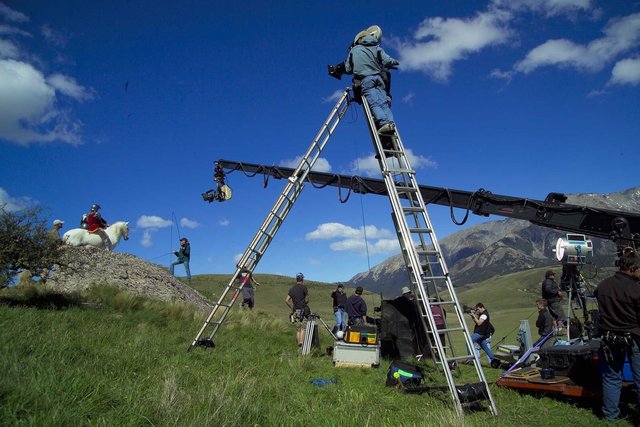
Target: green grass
113, 359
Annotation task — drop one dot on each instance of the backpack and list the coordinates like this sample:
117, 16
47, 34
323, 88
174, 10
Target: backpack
405, 376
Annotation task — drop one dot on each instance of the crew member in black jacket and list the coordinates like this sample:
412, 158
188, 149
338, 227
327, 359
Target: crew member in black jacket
619, 305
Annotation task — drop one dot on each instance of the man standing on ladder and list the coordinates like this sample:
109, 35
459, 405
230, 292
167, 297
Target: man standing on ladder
368, 63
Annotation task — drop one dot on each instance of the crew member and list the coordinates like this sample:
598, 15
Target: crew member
297, 300
551, 293
339, 298
248, 289
368, 63
55, 230
619, 306
544, 322
356, 308
482, 331
184, 256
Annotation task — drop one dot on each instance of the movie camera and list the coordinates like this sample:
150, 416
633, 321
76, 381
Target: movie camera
468, 310
222, 192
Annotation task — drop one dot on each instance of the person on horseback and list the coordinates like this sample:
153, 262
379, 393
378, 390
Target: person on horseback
97, 224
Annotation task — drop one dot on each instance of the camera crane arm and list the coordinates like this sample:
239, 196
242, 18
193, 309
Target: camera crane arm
621, 227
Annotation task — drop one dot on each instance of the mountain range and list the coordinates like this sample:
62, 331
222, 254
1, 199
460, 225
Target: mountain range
500, 247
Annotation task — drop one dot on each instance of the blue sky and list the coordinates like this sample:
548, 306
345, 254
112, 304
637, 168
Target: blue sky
128, 104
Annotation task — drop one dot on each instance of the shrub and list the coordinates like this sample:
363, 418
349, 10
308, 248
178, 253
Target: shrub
25, 245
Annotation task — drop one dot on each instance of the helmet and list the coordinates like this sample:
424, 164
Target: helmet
299, 276
340, 335
95, 207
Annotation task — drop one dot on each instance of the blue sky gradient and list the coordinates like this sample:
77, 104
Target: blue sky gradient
128, 104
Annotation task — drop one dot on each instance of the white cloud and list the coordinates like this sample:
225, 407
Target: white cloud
224, 222
626, 72
439, 42
28, 111
35, 107
13, 204
187, 223
236, 258
620, 35
546, 7
146, 239
368, 166
321, 165
12, 15
378, 240
334, 96
408, 97
69, 87
153, 221
332, 230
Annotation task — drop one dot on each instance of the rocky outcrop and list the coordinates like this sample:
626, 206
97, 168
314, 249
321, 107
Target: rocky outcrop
83, 267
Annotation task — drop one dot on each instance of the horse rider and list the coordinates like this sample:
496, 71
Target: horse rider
96, 224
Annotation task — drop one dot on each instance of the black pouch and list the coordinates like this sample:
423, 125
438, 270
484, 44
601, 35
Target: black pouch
357, 89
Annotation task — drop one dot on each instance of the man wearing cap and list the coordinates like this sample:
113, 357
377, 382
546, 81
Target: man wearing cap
356, 308
551, 292
184, 256
55, 231
339, 300
368, 63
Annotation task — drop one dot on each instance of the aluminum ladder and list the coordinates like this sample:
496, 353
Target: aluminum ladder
270, 226
426, 266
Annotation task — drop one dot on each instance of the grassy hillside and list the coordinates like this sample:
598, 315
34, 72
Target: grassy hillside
112, 359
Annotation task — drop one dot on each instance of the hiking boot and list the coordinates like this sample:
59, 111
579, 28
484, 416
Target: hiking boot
387, 128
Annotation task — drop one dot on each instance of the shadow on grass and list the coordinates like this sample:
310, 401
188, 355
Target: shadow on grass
43, 300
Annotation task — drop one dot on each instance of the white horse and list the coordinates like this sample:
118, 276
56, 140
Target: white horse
81, 237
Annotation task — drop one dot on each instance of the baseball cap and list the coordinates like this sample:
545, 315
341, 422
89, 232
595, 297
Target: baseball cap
58, 221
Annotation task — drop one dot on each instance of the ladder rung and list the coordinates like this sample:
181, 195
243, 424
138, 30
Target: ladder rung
410, 209
406, 189
399, 170
420, 230
433, 277
458, 329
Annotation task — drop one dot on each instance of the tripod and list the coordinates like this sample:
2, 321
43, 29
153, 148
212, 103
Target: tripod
310, 333
573, 283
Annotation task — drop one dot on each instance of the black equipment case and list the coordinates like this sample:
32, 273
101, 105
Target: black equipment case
578, 362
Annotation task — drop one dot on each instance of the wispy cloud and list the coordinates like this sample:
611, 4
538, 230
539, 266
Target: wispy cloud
334, 96
545, 7
13, 204
187, 223
321, 165
153, 221
360, 240
620, 36
12, 15
224, 222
